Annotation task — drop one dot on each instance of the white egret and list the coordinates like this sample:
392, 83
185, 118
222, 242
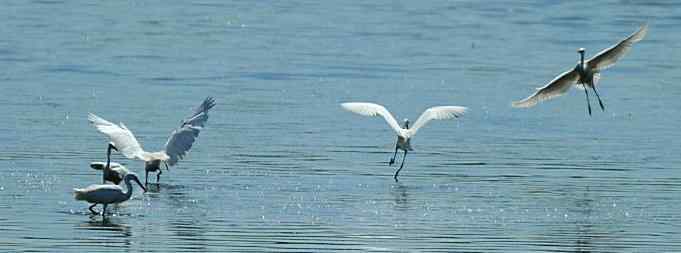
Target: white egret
177, 146
116, 171
111, 171
106, 194
405, 134
586, 74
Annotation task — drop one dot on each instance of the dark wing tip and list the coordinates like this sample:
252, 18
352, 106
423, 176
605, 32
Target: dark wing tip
208, 103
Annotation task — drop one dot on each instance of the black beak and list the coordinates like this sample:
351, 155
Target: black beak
140, 184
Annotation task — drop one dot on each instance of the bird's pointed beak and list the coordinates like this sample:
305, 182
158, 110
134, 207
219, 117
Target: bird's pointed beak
140, 184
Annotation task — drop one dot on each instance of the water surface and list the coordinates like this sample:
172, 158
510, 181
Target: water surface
280, 167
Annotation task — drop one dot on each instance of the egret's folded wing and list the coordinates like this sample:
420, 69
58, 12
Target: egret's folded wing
121, 137
101, 165
102, 193
438, 112
609, 56
371, 109
557, 87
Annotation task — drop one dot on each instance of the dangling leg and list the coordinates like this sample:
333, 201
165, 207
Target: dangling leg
401, 165
166, 164
104, 211
92, 210
588, 104
146, 177
392, 160
158, 176
593, 87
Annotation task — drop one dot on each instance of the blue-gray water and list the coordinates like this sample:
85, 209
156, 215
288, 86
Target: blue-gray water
281, 167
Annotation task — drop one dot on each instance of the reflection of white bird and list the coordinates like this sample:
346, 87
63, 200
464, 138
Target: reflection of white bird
405, 134
111, 171
106, 194
586, 74
177, 146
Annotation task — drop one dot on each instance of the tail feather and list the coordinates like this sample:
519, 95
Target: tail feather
79, 194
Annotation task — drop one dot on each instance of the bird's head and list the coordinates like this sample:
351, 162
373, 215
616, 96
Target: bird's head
131, 176
112, 146
580, 50
406, 123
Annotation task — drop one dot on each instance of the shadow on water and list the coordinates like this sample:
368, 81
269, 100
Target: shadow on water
116, 234
108, 224
157, 187
584, 226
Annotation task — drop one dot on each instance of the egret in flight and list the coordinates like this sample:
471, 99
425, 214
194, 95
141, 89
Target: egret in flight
586, 74
106, 194
404, 134
177, 146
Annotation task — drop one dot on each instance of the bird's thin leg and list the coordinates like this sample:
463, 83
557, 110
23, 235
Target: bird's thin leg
593, 87
166, 164
158, 175
92, 210
401, 165
392, 160
104, 211
146, 177
588, 104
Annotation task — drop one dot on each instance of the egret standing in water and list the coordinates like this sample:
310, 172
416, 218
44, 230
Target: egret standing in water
177, 146
586, 74
111, 171
404, 134
106, 194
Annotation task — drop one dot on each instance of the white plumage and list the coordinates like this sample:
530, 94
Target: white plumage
177, 146
404, 134
106, 194
437, 112
586, 74
117, 171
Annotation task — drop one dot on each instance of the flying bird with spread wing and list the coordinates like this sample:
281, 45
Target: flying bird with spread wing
586, 74
404, 134
177, 146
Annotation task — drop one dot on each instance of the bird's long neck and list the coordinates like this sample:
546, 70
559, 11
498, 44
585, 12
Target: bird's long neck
128, 194
108, 158
581, 58
107, 167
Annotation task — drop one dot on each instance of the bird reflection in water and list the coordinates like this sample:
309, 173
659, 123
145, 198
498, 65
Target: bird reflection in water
399, 192
585, 234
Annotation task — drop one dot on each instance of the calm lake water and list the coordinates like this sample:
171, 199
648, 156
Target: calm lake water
281, 167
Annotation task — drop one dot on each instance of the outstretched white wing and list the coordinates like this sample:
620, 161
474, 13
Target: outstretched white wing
557, 87
121, 137
182, 139
371, 109
609, 56
437, 112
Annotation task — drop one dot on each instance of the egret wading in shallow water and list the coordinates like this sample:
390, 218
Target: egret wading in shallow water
177, 146
586, 74
111, 171
404, 134
116, 171
106, 194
